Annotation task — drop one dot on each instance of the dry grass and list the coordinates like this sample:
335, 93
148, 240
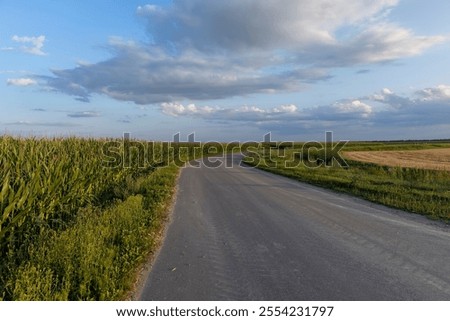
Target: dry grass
437, 159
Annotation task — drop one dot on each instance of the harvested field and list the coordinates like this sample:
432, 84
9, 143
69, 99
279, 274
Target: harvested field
438, 159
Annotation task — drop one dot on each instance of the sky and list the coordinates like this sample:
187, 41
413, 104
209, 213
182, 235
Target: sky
226, 70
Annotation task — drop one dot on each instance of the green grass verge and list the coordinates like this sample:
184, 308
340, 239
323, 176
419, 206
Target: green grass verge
420, 191
97, 256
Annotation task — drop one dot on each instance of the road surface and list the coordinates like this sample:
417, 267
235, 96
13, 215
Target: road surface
243, 234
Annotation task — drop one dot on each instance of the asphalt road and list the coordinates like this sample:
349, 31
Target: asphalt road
243, 234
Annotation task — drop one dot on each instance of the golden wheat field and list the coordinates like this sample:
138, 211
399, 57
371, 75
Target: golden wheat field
428, 159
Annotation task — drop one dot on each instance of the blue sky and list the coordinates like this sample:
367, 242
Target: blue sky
226, 70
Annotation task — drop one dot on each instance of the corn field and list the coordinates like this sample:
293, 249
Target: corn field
45, 182
77, 215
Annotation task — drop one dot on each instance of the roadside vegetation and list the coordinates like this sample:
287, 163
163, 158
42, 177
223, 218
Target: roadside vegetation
417, 190
79, 216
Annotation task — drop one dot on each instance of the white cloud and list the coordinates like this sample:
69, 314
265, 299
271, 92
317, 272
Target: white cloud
243, 113
32, 45
250, 109
421, 99
147, 75
386, 42
250, 24
21, 82
429, 106
285, 109
441, 92
176, 109
387, 91
307, 30
206, 50
353, 107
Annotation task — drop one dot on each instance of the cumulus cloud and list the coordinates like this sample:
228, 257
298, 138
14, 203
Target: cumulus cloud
307, 30
252, 24
440, 93
31, 45
428, 106
147, 75
175, 109
205, 50
285, 109
352, 107
383, 42
390, 99
389, 42
244, 113
21, 82
65, 85
424, 107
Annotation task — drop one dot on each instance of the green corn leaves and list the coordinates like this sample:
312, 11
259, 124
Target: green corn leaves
48, 180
